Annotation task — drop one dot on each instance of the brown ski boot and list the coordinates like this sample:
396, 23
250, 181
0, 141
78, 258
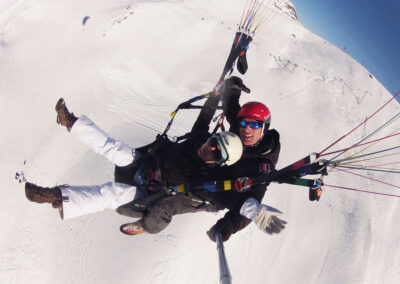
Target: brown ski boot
64, 117
40, 194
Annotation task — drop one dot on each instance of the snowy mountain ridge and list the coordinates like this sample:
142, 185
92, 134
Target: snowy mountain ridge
287, 8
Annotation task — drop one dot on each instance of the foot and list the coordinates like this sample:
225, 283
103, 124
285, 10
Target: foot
64, 117
40, 194
133, 228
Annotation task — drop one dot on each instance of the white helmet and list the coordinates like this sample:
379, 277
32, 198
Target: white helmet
231, 148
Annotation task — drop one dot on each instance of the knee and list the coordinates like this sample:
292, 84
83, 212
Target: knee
157, 219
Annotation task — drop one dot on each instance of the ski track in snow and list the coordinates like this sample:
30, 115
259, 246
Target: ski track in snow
336, 86
166, 237
128, 11
134, 107
120, 19
9, 11
132, 101
307, 84
79, 248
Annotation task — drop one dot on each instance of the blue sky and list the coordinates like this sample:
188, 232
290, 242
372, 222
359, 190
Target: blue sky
368, 30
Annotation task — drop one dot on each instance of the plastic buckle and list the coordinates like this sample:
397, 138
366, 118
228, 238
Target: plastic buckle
264, 168
243, 184
315, 191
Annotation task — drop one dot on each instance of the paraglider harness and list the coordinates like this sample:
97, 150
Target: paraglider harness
292, 174
156, 185
156, 188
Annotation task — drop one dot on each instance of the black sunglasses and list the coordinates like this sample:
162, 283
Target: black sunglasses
252, 124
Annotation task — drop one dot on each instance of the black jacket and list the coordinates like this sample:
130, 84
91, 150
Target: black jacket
264, 152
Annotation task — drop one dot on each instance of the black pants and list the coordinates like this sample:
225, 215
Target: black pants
160, 214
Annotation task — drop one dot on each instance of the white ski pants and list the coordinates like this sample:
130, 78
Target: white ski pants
82, 200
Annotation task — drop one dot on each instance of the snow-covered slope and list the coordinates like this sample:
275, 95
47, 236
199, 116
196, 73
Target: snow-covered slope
127, 64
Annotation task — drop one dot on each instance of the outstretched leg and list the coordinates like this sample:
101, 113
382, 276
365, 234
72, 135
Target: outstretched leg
74, 201
87, 131
83, 200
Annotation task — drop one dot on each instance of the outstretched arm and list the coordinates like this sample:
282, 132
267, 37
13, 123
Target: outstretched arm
265, 217
231, 91
228, 225
207, 113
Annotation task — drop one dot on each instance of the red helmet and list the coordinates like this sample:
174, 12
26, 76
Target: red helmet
257, 111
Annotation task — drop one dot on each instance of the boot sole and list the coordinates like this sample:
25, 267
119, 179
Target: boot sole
60, 104
131, 234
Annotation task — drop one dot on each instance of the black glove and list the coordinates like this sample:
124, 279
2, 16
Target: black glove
233, 86
224, 227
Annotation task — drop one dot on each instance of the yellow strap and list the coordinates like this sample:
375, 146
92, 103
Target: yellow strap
173, 113
181, 188
227, 185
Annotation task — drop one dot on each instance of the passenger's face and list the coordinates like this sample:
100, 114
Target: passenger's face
210, 151
248, 135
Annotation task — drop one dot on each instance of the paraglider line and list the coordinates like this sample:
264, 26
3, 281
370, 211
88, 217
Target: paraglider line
354, 129
359, 190
369, 154
371, 134
370, 178
358, 145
